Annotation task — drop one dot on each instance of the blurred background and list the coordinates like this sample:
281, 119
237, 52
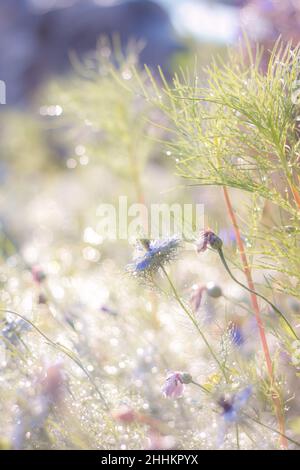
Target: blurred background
37, 36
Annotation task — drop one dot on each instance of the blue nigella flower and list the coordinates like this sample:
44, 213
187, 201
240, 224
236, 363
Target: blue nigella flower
13, 329
236, 334
157, 254
232, 406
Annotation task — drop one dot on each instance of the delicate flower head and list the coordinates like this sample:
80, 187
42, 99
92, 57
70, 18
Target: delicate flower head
209, 238
174, 385
157, 254
232, 406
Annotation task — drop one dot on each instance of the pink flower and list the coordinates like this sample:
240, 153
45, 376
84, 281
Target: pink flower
196, 297
174, 385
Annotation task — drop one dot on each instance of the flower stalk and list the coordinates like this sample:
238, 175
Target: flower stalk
254, 301
191, 317
62, 349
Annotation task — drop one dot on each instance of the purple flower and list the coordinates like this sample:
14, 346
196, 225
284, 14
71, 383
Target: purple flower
13, 329
236, 334
231, 407
174, 385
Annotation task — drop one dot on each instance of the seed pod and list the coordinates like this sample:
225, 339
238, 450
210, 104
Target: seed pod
213, 290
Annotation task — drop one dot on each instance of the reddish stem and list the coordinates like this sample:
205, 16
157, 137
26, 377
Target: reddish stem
254, 301
296, 195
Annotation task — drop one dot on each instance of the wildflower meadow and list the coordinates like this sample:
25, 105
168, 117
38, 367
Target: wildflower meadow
149, 246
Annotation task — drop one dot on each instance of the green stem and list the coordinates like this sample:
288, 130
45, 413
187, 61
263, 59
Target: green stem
222, 257
204, 389
195, 323
266, 426
61, 348
237, 433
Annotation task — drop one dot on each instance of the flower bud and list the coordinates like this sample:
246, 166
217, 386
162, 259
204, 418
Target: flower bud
215, 241
186, 378
213, 290
209, 238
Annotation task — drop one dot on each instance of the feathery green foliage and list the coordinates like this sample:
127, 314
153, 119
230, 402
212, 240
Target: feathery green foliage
239, 128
